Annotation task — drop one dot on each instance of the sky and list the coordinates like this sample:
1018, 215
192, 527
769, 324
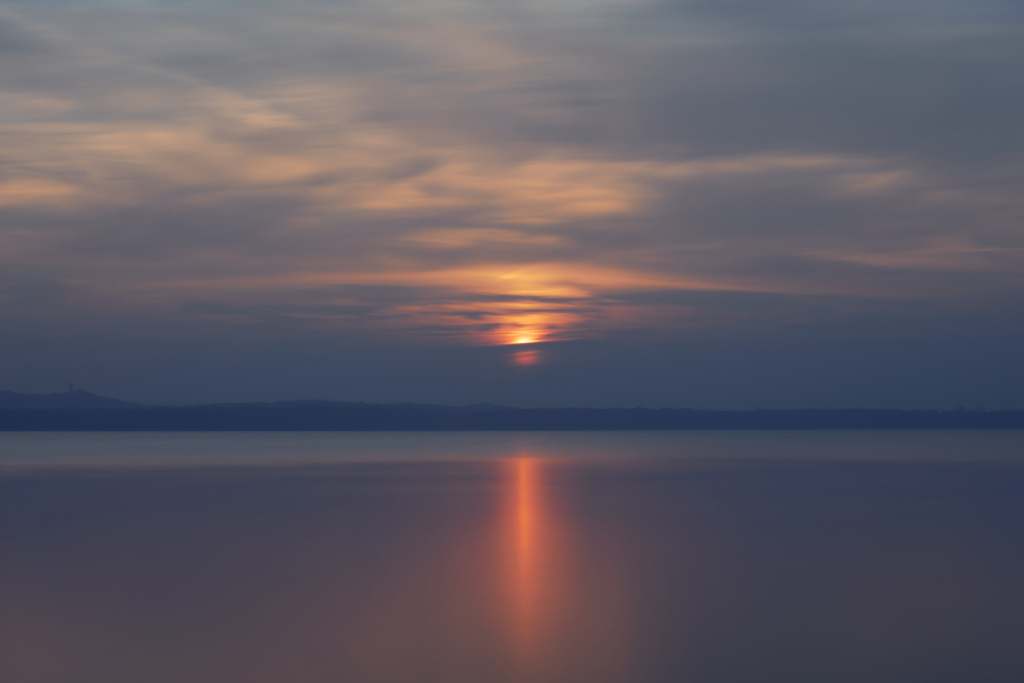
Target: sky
663, 203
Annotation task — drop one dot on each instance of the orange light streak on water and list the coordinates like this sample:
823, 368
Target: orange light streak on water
564, 620
528, 560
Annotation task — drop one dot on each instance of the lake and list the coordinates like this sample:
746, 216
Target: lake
532, 557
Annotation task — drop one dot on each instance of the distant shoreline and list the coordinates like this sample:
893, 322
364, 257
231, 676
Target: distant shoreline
327, 416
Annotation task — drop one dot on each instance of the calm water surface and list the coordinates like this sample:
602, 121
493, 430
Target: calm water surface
619, 557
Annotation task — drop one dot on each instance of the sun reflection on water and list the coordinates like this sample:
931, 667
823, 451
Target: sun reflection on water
566, 623
502, 582
530, 564
529, 539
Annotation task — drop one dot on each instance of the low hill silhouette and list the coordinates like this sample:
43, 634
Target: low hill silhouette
82, 411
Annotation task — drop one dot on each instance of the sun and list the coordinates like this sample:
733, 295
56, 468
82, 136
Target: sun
524, 339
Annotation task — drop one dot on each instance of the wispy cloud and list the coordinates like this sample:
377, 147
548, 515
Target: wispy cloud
522, 170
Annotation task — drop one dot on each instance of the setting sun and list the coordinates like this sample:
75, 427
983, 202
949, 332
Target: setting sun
527, 357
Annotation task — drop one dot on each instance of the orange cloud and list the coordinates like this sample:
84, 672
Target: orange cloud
543, 279
487, 303
30, 192
470, 237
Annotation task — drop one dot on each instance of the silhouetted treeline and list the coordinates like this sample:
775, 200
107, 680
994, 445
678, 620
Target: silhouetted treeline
325, 416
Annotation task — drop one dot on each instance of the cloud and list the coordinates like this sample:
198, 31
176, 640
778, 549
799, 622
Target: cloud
473, 173
470, 237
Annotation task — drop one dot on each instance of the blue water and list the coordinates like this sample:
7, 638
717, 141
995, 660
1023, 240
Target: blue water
558, 557
188, 449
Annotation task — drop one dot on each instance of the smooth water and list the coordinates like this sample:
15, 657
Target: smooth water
591, 557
